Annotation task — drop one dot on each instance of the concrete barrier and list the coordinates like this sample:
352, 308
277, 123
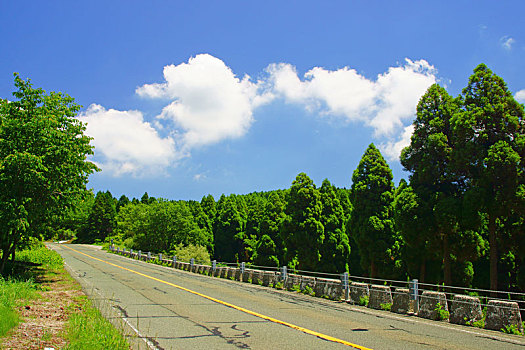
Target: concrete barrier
217, 272
224, 272
429, 303
502, 314
230, 273
400, 301
465, 309
292, 280
379, 295
307, 282
269, 278
247, 276
328, 288
257, 277
238, 275
358, 291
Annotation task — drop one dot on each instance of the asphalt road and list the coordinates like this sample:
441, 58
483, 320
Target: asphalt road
174, 309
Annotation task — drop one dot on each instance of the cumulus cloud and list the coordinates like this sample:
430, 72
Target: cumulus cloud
205, 103
392, 149
383, 104
126, 144
208, 102
520, 96
507, 42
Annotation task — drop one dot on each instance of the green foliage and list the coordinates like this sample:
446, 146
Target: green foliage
296, 288
101, 221
512, 329
441, 313
43, 166
335, 249
302, 229
371, 223
199, 253
229, 234
363, 300
160, 226
308, 290
386, 306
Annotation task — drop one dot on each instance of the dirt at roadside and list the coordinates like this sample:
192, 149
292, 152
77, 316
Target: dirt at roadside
44, 319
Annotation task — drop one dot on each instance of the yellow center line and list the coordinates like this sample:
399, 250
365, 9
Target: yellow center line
253, 313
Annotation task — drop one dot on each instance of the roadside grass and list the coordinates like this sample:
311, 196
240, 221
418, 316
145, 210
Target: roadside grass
38, 270
88, 329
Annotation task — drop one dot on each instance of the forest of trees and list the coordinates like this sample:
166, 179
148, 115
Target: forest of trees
459, 220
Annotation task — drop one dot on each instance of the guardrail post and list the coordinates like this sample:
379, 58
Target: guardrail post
284, 273
140, 254
149, 256
243, 267
118, 250
345, 285
174, 260
214, 265
414, 294
131, 253
192, 262
160, 257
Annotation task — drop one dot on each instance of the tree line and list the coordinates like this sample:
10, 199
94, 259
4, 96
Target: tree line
458, 219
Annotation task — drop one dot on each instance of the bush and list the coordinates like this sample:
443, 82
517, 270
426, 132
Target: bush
441, 314
386, 306
363, 301
199, 253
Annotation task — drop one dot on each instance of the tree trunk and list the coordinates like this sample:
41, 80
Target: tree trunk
422, 271
373, 269
447, 269
493, 243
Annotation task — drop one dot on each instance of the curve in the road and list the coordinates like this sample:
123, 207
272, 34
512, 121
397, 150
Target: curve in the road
253, 313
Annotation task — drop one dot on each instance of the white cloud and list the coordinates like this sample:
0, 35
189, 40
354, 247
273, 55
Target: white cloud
205, 103
520, 96
126, 144
507, 42
209, 103
383, 104
392, 149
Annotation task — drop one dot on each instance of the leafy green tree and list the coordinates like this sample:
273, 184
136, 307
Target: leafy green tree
371, 223
101, 220
302, 229
229, 234
272, 248
208, 205
72, 223
43, 165
490, 147
204, 223
411, 219
436, 193
122, 201
335, 250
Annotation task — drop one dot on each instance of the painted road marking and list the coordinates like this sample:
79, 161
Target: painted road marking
253, 313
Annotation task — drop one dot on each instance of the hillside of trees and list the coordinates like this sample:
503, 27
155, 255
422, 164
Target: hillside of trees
459, 220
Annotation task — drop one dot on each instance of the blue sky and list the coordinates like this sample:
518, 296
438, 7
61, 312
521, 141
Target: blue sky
186, 98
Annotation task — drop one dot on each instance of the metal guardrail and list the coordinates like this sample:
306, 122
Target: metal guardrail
416, 288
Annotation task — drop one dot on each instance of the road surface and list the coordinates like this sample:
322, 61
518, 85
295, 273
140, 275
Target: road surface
173, 309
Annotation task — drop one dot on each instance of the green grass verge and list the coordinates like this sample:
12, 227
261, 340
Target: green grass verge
13, 293
88, 329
